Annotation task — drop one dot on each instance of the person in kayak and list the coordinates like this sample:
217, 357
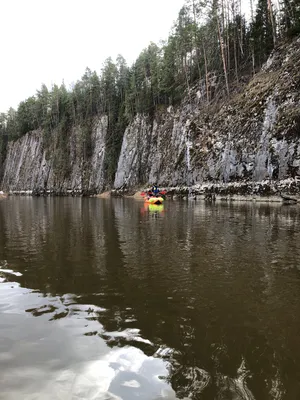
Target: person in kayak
155, 190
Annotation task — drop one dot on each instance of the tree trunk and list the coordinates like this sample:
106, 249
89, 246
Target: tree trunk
206, 75
223, 55
272, 21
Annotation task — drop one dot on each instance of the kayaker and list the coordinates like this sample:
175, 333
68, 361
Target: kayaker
155, 190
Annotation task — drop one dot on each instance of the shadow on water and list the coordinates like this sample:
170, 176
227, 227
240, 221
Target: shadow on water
211, 289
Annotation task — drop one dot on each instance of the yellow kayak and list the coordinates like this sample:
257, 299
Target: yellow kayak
154, 200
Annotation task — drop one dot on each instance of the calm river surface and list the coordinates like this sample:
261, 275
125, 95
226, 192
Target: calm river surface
105, 299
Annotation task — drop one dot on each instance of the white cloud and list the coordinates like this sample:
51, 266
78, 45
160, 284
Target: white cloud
46, 41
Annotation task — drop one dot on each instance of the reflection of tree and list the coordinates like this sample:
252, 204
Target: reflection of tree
200, 282
232, 316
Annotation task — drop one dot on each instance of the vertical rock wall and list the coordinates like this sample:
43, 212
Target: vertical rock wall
30, 166
250, 138
154, 152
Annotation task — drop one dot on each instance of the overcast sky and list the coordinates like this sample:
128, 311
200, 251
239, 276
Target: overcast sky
45, 41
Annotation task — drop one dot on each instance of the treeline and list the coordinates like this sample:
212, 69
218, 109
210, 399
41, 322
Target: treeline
211, 44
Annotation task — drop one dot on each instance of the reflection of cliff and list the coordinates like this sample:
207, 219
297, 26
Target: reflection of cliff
57, 240
211, 289
201, 276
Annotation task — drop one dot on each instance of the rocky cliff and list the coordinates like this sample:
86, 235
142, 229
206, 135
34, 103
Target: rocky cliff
32, 165
249, 143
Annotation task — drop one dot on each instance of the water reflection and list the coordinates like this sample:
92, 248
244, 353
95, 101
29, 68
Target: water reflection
206, 296
66, 360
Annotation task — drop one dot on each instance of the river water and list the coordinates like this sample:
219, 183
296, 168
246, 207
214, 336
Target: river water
107, 299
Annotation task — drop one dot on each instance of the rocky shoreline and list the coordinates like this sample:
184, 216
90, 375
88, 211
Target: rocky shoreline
287, 191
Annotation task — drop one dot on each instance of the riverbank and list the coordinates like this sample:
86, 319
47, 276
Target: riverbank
286, 191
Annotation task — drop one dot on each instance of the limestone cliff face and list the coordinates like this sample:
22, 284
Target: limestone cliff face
250, 139
154, 152
30, 165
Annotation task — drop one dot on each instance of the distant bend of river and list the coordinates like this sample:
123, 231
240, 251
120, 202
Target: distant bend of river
110, 299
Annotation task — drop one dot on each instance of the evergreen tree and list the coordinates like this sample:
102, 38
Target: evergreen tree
3, 140
261, 33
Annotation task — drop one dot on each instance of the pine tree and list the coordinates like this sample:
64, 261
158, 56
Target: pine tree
261, 33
